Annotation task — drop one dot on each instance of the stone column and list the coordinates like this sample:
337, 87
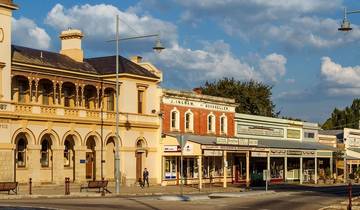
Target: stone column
225, 169
30, 89
54, 93
200, 168
36, 90
58, 164
301, 170
82, 96
247, 169
77, 95
33, 162
61, 101
97, 104
80, 173
98, 162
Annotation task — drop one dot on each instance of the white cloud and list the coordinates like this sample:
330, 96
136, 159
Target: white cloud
340, 80
98, 23
215, 61
25, 32
294, 24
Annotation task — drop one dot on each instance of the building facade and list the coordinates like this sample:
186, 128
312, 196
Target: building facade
57, 112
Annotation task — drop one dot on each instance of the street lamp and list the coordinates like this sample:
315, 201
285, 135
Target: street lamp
345, 24
158, 48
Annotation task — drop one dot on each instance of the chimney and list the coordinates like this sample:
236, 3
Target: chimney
197, 90
71, 44
136, 59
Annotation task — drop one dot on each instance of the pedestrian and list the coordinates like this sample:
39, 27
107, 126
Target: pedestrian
146, 177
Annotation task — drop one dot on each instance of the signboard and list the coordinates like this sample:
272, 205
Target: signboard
171, 148
308, 153
229, 147
277, 152
233, 141
260, 131
237, 141
293, 134
188, 149
213, 153
353, 142
170, 175
221, 140
198, 104
259, 154
294, 152
82, 161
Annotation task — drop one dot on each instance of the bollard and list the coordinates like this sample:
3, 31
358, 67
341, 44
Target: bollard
350, 196
67, 186
102, 191
30, 186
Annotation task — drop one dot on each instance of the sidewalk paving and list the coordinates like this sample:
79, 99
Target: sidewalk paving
58, 191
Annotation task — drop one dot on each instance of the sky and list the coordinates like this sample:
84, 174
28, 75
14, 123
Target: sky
292, 45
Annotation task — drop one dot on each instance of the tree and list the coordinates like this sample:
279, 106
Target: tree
348, 117
252, 97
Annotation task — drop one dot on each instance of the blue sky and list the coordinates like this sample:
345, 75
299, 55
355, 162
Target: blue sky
292, 45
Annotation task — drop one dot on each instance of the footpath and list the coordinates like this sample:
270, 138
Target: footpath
162, 192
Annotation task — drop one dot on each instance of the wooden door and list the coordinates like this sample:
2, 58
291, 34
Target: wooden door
138, 165
89, 165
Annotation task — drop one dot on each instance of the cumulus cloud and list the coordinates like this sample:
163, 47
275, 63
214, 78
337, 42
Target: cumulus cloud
214, 61
25, 32
295, 24
98, 23
341, 80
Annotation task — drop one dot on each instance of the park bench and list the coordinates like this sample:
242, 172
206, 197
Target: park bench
9, 186
101, 185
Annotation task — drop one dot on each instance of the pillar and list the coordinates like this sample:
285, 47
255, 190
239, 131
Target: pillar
58, 164
33, 162
97, 102
331, 167
77, 95
247, 169
268, 165
345, 170
200, 166
225, 169
98, 163
82, 96
54, 93
80, 168
316, 170
36, 90
285, 168
301, 170
61, 101
30, 89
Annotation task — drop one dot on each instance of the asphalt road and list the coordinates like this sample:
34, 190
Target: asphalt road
286, 198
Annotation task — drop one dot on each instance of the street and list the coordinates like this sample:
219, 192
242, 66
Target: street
285, 197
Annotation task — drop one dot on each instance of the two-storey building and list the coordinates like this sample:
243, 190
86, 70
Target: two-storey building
57, 112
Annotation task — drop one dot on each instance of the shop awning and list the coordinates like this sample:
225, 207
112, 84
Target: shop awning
354, 149
348, 157
262, 143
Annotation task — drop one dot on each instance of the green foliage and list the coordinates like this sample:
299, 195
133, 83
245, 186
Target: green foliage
348, 117
252, 97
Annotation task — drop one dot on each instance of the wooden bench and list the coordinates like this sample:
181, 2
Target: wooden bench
101, 185
9, 186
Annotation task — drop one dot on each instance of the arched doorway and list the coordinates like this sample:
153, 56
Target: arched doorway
110, 159
21, 157
46, 158
139, 154
69, 157
90, 172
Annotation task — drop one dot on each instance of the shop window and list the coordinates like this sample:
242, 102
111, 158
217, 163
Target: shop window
67, 154
174, 120
45, 154
309, 135
213, 167
211, 123
140, 101
189, 121
190, 168
21, 153
223, 124
170, 168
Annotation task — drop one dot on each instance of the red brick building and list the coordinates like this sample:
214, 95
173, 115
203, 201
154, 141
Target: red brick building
198, 114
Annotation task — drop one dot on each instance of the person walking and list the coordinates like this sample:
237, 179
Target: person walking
146, 177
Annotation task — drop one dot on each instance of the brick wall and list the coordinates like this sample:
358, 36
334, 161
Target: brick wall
200, 119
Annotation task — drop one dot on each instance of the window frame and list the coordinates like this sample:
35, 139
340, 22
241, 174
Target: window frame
46, 154
176, 122
223, 124
189, 128
22, 152
211, 123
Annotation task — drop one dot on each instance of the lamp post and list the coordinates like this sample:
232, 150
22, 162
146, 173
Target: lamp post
345, 24
158, 48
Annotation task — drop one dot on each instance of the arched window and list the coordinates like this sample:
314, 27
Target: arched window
68, 153
211, 123
45, 151
21, 153
189, 121
223, 124
174, 120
